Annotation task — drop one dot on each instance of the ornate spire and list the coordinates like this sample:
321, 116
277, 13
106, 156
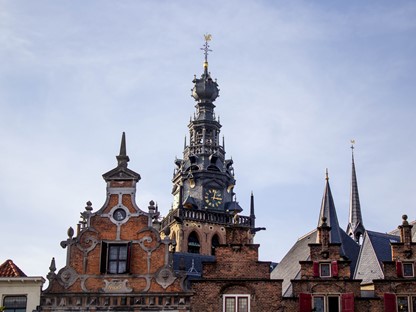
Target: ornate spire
205, 90
121, 172
355, 226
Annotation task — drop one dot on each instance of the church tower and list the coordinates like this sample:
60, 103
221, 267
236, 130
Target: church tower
204, 201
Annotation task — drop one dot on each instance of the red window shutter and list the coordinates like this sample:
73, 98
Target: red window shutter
315, 269
305, 302
334, 268
347, 301
389, 302
399, 269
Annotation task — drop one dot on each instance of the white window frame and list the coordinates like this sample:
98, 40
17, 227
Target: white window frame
412, 266
329, 269
326, 297
235, 296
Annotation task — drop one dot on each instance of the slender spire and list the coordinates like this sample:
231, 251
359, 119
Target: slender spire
122, 158
252, 214
355, 226
206, 49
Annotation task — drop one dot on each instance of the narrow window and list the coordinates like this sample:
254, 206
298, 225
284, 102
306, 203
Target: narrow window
333, 304
215, 242
318, 304
408, 270
15, 303
229, 304
325, 269
193, 243
402, 304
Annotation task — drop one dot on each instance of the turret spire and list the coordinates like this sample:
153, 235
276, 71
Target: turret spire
355, 226
122, 158
329, 213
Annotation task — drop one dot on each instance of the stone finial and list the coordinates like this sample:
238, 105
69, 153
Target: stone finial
70, 232
405, 231
89, 206
52, 268
323, 235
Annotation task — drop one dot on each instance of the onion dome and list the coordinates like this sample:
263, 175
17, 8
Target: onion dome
205, 89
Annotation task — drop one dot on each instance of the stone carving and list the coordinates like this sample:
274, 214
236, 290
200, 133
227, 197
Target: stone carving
67, 277
116, 286
165, 277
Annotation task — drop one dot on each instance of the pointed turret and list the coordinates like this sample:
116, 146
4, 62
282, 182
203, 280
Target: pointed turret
329, 213
121, 172
252, 215
355, 226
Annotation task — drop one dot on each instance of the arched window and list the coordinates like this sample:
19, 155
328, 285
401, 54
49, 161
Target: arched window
193, 243
215, 242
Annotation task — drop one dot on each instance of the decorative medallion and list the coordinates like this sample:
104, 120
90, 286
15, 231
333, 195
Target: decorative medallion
67, 277
165, 277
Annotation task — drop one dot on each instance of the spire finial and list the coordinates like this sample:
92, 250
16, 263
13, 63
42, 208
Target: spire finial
122, 158
326, 174
206, 49
352, 148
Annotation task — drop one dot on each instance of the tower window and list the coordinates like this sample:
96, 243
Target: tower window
15, 303
115, 258
193, 243
236, 303
215, 242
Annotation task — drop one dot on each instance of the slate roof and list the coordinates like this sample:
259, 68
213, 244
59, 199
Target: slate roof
190, 262
289, 267
374, 250
9, 269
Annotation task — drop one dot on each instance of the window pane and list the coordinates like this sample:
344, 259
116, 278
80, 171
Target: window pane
318, 304
333, 304
122, 267
414, 304
112, 267
113, 252
229, 304
242, 304
15, 302
408, 269
325, 269
123, 253
402, 304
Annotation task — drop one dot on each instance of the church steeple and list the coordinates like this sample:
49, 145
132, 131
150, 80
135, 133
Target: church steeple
203, 180
355, 226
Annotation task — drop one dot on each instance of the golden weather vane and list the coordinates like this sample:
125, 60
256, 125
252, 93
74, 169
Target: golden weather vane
205, 48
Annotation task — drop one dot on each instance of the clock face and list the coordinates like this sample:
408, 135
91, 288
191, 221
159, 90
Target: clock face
213, 198
119, 214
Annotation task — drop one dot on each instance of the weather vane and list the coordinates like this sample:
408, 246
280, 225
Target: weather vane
352, 144
205, 48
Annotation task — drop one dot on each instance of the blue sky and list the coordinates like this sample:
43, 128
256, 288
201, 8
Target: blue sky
298, 81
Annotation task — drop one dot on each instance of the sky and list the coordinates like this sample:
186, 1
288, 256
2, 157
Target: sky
298, 80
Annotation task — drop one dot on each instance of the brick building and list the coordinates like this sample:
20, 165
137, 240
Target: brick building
116, 260
202, 256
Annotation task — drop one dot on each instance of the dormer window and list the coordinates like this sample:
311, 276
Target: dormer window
408, 270
325, 269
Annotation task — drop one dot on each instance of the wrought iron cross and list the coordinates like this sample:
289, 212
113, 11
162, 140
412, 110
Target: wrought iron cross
206, 48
